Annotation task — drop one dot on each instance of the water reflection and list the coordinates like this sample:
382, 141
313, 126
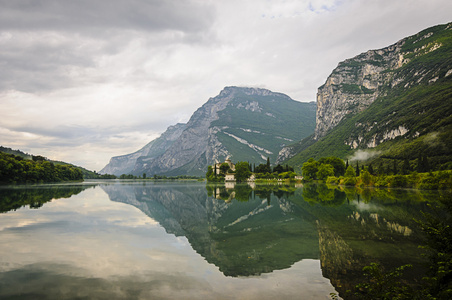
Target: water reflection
14, 197
269, 240
260, 232
254, 229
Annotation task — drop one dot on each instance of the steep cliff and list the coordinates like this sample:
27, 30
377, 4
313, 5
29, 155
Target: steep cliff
355, 84
245, 124
392, 99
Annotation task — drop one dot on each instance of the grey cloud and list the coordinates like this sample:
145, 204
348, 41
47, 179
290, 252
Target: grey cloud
42, 41
183, 15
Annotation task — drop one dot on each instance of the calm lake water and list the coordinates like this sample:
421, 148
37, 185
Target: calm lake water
189, 240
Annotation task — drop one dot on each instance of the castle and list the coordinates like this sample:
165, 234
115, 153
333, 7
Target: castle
228, 176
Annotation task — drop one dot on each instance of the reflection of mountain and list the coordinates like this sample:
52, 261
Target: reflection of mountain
241, 237
13, 198
247, 231
357, 228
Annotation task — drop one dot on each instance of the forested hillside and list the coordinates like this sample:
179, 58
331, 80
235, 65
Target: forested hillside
16, 169
410, 116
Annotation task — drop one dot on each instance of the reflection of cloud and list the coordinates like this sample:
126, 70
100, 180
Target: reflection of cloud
363, 206
63, 281
89, 246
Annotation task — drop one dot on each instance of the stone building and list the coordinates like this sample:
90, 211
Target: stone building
228, 161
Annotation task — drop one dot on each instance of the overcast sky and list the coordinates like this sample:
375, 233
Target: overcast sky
82, 80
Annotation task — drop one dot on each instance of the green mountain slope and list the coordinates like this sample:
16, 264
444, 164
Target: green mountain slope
411, 113
267, 121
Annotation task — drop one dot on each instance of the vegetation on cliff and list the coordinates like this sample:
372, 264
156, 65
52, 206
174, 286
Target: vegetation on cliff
411, 114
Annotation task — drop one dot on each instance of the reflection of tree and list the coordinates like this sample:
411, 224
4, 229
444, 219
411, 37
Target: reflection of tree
326, 195
310, 193
323, 194
243, 192
34, 197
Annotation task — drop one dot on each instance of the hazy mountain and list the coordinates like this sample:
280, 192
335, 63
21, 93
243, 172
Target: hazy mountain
125, 164
396, 101
246, 124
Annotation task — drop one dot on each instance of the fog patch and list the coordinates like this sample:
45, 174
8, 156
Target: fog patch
363, 155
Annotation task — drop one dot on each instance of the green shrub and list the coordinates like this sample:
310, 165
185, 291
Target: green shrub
397, 181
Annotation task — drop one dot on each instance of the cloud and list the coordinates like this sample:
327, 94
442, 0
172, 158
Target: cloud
89, 16
88, 71
363, 155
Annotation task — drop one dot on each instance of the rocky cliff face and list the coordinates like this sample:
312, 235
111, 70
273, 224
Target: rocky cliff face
357, 82
194, 141
395, 99
245, 124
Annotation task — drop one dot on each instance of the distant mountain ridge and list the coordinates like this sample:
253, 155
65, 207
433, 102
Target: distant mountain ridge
396, 101
125, 164
245, 124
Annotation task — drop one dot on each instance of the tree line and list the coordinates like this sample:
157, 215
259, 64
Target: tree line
16, 169
244, 170
334, 170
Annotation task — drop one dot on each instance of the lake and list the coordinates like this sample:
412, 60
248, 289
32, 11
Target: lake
192, 240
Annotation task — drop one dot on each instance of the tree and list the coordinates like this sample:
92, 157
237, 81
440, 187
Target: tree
310, 169
144, 175
278, 169
366, 178
371, 169
336, 162
262, 169
350, 172
394, 167
406, 168
224, 168
423, 164
325, 170
242, 171
357, 169
209, 172
38, 158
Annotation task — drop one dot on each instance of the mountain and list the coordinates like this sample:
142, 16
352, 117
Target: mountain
395, 101
125, 164
245, 124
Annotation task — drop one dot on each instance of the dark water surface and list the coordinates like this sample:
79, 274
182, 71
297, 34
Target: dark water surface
189, 240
